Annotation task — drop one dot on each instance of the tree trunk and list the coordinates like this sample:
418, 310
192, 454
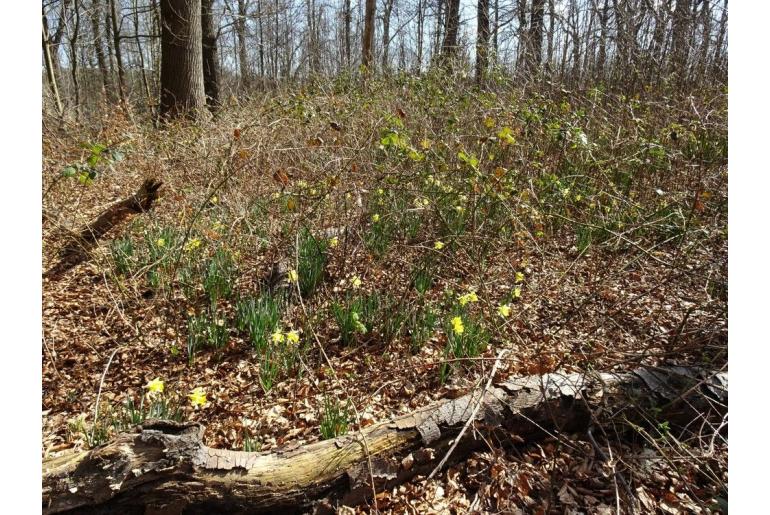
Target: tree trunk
420, 34
101, 59
680, 30
347, 18
50, 69
181, 70
522, 57
74, 58
452, 27
536, 35
482, 41
140, 51
163, 467
367, 56
240, 30
387, 10
118, 53
210, 55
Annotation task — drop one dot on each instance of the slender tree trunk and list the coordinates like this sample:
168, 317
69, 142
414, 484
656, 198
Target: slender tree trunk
601, 59
718, 50
367, 56
522, 57
261, 35
240, 30
74, 58
680, 42
118, 53
551, 35
387, 10
49, 68
347, 18
210, 55
452, 27
496, 30
536, 35
482, 41
703, 58
142, 67
101, 60
181, 76
420, 33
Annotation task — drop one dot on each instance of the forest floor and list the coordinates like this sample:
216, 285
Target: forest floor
409, 230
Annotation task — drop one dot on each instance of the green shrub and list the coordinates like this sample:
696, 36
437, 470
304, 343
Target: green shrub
334, 419
312, 261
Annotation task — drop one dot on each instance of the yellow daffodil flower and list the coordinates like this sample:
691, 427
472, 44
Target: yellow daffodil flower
334, 242
519, 277
197, 397
438, 245
160, 242
292, 337
375, 218
504, 310
192, 245
468, 297
155, 386
517, 292
293, 277
277, 336
355, 281
457, 325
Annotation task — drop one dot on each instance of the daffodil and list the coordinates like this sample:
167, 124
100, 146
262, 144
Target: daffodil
334, 242
468, 297
155, 386
380, 191
160, 242
292, 337
375, 218
517, 292
277, 336
438, 245
197, 397
504, 310
214, 199
293, 277
355, 281
519, 277
192, 244
457, 325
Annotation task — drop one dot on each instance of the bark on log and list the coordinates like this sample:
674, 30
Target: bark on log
76, 250
164, 467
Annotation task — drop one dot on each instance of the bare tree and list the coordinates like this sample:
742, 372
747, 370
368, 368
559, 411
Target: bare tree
452, 27
96, 28
367, 56
181, 76
386, 12
210, 54
482, 41
118, 53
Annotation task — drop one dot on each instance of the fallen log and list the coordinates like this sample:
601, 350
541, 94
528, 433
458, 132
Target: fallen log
76, 250
163, 467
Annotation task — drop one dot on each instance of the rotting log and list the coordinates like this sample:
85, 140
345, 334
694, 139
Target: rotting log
76, 250
163, 467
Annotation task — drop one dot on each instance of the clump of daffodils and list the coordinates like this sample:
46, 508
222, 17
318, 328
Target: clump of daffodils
468, 297
197, 397
291, 337
192, 244
155, 386
457, 325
